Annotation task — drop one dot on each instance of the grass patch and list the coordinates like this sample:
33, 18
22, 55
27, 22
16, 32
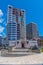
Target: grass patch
41, 49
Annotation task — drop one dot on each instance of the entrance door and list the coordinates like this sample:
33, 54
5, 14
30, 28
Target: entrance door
22, 45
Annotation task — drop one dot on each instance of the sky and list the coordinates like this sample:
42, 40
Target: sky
34, 13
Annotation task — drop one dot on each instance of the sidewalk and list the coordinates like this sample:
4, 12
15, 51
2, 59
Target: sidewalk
25, 59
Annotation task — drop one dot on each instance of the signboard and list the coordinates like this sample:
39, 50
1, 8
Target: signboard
12, 43
32, 43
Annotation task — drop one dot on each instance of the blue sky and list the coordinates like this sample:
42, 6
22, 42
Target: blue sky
33, 8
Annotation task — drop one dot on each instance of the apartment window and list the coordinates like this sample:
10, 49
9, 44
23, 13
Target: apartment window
27, 42
17, 42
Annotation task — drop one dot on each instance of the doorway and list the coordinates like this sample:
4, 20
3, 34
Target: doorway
22, 45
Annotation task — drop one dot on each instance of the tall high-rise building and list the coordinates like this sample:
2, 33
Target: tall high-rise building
23, 26
16, 28
17, 13
11, 27
32, 32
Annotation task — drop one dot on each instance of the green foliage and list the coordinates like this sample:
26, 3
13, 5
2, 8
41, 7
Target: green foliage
41, 49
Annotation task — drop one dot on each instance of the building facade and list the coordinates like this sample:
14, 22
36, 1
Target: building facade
11, 27
1, 41
16, 28
31, 31
40, 41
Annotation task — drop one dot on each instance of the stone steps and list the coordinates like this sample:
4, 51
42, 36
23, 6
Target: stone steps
21, 50
19, 53
16, 52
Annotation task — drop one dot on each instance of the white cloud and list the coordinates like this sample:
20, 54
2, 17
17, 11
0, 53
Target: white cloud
1, 29
1, 20
1, 13
4, 23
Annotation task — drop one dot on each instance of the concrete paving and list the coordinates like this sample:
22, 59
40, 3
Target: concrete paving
23, 59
